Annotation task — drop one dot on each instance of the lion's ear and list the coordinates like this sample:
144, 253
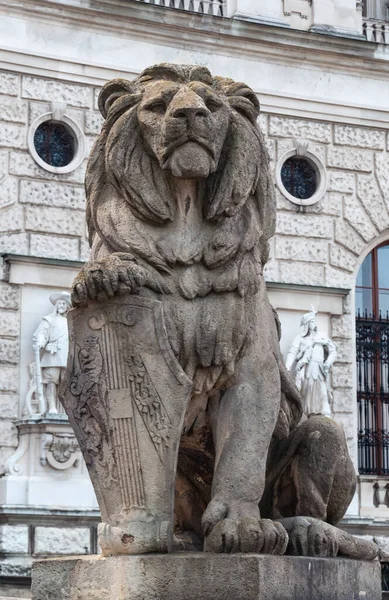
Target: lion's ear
112, 91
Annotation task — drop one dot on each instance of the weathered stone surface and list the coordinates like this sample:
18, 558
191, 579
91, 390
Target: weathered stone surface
357, 217
347, 135
300, 249
61, 540
11, 219
382, 174
52, 194
302, 275
345, 351
36, 109
341, 258
338, 278
284, 145
344, 398
271, 271
55, 246
23, 165
383, 543
5, 453
304, 225
8, 191
38, 88
340, 181
16, 243
9, 405
9, 323
8, 435
93, 122
55, 220
342, 376
348, 304
348, 237
118, 322
9, 296
96, 92
350, 158
13, 110
9, 84
263, 122
342, 327
346, 420
300, 128
84, 250
330, 204
14, 539
13, 135
371, 198
197, 577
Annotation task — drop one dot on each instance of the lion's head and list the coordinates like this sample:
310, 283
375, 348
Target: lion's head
178, 121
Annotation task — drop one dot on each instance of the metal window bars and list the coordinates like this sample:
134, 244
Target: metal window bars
372, 341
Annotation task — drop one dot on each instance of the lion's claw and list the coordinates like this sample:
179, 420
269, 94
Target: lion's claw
250, 535
102, 279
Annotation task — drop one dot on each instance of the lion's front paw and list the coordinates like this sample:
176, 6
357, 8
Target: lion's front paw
248, 535
99, 280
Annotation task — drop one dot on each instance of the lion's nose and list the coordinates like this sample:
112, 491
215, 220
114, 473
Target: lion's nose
189, 112
188, 105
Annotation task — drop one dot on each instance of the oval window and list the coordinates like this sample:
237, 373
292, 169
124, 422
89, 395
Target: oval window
299, 177
54, 144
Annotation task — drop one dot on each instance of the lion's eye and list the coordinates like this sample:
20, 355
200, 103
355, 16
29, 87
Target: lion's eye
212, 105
158, 107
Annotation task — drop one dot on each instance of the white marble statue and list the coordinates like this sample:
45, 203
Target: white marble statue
50, 344
309, 359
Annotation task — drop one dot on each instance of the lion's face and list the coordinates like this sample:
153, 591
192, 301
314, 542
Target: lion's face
184, 126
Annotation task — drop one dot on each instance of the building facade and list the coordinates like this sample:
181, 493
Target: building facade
320, 71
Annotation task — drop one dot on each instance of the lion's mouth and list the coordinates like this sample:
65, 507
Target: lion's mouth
175, 144
191, 159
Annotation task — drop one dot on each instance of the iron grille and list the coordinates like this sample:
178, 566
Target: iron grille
372, 335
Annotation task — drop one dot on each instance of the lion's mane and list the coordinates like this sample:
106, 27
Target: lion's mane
243, 169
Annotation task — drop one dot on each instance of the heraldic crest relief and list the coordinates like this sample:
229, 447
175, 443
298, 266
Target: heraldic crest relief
128, 436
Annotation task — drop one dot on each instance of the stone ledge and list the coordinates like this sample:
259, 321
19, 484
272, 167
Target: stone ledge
196, 576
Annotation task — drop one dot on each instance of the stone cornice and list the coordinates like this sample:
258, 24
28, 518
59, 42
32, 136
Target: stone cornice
234, 38
256, 40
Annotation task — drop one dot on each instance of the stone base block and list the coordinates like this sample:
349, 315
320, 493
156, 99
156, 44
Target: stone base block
192, 576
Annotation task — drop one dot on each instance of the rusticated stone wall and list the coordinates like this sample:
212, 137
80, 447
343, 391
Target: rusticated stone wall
42, 214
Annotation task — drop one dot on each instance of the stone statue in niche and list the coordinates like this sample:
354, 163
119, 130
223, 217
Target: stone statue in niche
184, 410
50, 345
309, 359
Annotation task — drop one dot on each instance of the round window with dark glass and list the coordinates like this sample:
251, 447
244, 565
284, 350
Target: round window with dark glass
54, 144
299, 177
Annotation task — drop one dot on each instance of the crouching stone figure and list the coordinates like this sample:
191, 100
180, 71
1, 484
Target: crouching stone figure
174, 351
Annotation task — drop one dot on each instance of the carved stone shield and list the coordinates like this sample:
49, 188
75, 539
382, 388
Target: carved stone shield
126, 398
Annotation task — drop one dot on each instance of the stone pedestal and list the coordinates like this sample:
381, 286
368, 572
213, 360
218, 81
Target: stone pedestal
192, 576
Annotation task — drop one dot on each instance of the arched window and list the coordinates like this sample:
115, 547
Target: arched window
372, 289
372, 337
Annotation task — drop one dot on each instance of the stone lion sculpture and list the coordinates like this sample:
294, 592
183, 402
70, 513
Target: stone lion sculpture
180, 208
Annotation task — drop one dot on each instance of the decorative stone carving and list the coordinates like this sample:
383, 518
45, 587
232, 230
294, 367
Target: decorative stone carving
60, 450
176, 388
309, 359
50, 344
